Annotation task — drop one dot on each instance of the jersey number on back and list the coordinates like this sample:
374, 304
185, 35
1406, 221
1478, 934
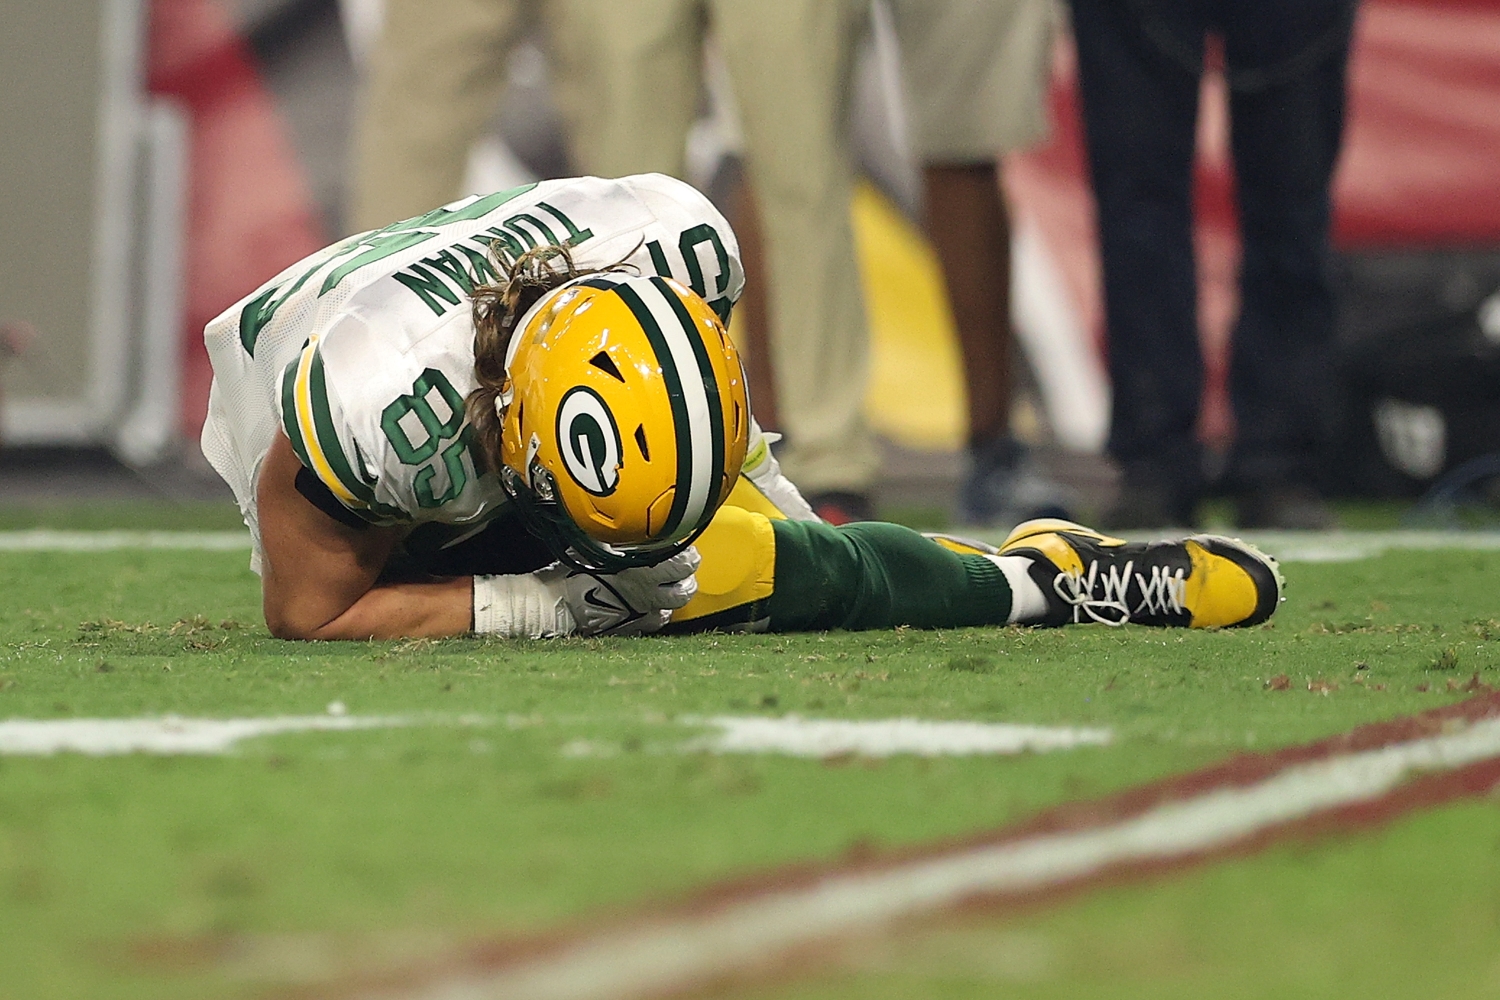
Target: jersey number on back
417, 433
687, 244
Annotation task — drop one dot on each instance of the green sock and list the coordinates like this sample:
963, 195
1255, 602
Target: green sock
873, 575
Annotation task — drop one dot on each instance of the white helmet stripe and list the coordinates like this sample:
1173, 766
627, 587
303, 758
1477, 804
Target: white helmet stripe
701, 487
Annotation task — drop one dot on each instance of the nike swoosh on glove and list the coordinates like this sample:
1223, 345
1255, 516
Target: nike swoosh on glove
635, 601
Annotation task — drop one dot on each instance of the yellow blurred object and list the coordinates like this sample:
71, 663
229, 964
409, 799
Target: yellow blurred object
916, 392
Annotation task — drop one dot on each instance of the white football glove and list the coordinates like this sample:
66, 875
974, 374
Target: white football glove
559, 600
632, 602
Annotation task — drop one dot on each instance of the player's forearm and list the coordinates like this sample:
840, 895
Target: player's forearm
432, 609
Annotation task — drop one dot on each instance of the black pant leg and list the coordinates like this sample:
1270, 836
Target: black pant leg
1286, 135
1140, 107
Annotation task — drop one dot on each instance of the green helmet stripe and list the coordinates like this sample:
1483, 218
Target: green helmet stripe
680, 422
710, 388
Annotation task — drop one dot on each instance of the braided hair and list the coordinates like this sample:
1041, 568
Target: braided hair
498, 308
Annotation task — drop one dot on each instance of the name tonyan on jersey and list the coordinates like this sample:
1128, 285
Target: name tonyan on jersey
441, 280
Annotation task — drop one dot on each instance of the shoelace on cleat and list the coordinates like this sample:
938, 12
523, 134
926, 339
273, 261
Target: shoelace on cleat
1164, 592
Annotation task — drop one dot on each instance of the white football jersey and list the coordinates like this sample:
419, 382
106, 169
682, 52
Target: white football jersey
363, 353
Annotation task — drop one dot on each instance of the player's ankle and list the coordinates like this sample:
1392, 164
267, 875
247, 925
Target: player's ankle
1028, 602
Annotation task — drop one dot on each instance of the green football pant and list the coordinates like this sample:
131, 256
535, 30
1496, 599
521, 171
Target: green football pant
799, 576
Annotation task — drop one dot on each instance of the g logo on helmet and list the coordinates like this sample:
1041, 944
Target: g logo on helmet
589, 441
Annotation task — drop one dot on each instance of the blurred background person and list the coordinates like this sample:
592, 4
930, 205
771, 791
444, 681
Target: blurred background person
976, 80
630, 89
1139, 64
435, 76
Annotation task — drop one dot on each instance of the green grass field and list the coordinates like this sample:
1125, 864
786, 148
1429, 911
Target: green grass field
542, 783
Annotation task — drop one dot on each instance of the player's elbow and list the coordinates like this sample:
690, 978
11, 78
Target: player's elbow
290, 630
290, 626
291, 620
304, 620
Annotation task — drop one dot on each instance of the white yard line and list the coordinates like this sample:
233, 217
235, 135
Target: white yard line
817, 738
822, 738
47, 540
167, 735
657, 956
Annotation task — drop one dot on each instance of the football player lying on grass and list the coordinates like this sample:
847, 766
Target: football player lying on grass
521, 415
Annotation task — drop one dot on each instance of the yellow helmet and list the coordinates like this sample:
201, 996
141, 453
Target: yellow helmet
626, 419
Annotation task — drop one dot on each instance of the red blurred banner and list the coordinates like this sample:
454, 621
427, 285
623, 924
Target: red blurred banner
250, 210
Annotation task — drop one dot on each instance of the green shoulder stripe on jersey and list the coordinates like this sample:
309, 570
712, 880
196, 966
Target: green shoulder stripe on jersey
710, 385
258, 313
377, 248
481, 207
379, 244
289, 413
394, 238
328, 437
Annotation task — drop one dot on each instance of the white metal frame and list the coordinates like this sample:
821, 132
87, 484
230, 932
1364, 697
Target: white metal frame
151, 427
90, 419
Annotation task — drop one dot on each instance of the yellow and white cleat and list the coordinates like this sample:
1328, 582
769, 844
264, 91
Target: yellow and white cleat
1202, 581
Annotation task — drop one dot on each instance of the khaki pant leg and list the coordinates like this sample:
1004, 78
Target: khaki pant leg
976, 75
628, 81
791, 61
435, 78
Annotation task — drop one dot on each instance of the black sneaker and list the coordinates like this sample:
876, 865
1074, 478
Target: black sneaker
1203, 581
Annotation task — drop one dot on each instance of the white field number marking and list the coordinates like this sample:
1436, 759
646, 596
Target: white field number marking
670, 954
167, 735
821, 738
